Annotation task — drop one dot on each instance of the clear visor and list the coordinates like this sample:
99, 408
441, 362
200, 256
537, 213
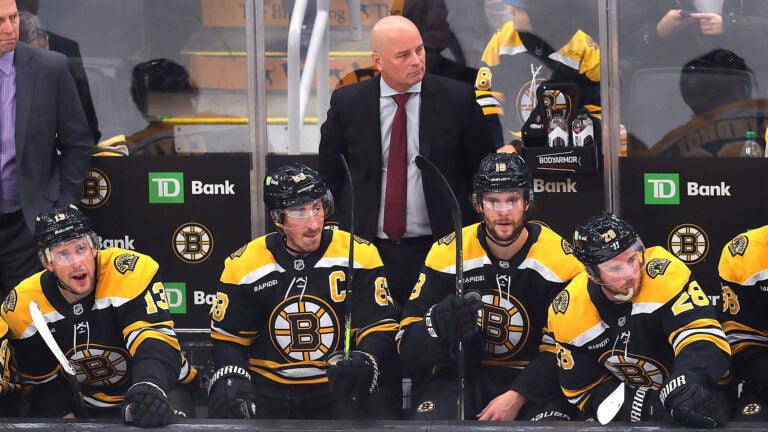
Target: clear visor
72, 251
502, 200
319, 208
624, 266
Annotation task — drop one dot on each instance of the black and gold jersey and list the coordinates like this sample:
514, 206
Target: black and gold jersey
6, 384
515, 64
120, 334
743, 273
288, 312
515, 293
669, 326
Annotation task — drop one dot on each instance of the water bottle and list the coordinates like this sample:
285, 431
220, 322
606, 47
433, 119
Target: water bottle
557, 133
751, 147
582, 131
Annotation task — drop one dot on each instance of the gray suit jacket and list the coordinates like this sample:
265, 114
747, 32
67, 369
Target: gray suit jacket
452, 134
53, 140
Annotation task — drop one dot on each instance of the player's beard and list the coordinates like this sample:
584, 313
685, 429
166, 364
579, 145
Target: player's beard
500, 239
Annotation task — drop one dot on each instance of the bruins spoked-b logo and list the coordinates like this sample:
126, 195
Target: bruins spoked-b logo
634, 370
689, 243
504, 322
99, 365
96, 189
304, 328
192, 242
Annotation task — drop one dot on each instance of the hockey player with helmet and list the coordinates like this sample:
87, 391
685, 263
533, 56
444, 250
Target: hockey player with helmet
538, 44
512, 271
108, 313
277, 320
743, 273
637, 324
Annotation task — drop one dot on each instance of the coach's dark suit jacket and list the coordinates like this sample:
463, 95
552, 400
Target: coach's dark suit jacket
452, 134
49, 117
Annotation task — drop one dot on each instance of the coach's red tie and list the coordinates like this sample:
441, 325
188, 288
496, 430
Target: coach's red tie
397, 173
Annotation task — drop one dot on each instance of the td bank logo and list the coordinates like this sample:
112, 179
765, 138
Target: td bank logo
176, 292
166, 188
661, 188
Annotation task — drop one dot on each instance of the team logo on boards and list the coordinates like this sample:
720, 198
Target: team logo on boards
689, 243
192, 242
96, 189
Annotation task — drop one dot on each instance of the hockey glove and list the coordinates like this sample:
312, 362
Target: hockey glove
690, 403
146, 405
231, 394
357, 377
454, 317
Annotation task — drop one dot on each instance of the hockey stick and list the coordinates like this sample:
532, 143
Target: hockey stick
68, 372
350, 263
434, 176
611, 405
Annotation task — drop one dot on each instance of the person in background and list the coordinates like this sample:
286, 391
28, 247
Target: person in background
636, 331
45, 144
278, 320
512, 270
71, 49
743, 271
532, 47
108, 313
395, 207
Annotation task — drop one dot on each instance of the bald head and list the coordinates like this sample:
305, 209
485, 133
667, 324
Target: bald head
398, 52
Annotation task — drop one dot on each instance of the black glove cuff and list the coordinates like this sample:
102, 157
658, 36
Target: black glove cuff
226, 372
430, 323
150, 384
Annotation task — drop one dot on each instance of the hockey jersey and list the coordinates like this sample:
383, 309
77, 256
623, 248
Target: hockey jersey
120, 334
288, 312
515, 293
743, 273
669, 326
515, 64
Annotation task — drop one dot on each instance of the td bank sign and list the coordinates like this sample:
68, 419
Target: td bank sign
664, 189
168, 188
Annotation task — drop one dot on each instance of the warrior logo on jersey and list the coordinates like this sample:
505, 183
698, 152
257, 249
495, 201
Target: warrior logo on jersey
238, 253
446, 240
99, 365
10, 301
304, 328
126, 262
689, 243
96, 189
560, 303
192, 242
657, 266
567, 248
738, 245
634, 370
504, 322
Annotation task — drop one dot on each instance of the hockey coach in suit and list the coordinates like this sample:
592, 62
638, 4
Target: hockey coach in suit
444, 125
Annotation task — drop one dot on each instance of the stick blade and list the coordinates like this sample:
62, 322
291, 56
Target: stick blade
42, 327
611, 405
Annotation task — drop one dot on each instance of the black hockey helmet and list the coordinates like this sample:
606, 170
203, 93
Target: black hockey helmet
501, 172
602, 237
293, 185
61, 225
